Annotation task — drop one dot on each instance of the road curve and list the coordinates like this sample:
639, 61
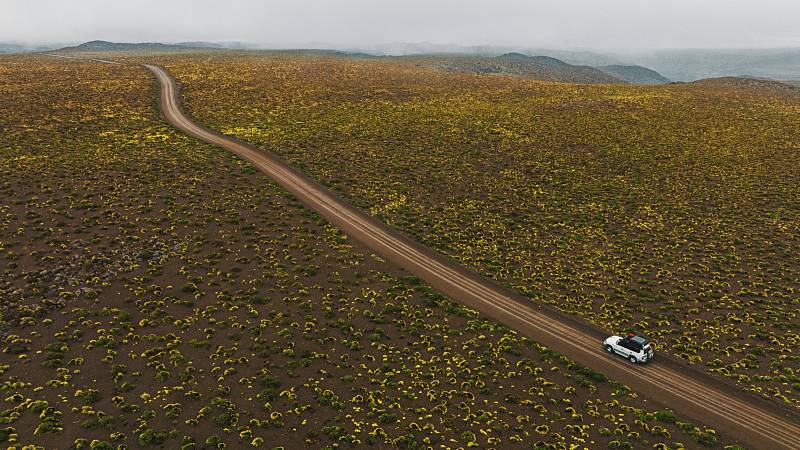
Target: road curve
693, 393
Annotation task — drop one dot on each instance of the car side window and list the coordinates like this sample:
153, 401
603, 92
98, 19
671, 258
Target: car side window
630, 345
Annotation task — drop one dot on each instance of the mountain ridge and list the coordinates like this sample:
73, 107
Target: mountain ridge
535, 67
107, 46
634, 74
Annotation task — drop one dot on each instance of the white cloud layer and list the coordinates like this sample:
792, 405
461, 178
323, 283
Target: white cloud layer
592, 24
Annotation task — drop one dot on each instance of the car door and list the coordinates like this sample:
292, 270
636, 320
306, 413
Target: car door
622, 348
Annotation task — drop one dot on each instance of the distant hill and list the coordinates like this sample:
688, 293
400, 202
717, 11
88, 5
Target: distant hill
676, 65
581, 57
688, 65
219, 45
537, 67
105, 46
422, 48
203, 44
635, 74
13, 47
578, 58
537, 59
769, 87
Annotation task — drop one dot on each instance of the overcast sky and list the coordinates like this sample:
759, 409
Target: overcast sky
565, 24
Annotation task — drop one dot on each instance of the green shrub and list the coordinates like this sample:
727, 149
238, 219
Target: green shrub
666, 416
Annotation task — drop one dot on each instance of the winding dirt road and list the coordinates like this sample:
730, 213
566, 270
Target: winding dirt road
666, 382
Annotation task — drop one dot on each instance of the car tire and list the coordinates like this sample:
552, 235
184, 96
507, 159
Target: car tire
633, 359
609, 349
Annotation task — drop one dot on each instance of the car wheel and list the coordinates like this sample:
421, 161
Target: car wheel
609, 349
633, 359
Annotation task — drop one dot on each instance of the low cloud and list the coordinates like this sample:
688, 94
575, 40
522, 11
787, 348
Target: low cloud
611, 24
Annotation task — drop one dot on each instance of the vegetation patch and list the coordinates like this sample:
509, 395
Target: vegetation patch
672, 210
125, 325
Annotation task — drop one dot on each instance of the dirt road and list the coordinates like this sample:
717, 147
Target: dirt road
666, 382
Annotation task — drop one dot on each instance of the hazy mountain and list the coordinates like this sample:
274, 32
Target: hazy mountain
537, 67
580, 58
577, 57
105, 46
202, 44
427, 48
101, 46
15, 47
219, 45
677, 65
634, 74
688, 65
643, 67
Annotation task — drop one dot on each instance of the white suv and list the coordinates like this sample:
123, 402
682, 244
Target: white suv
633, 347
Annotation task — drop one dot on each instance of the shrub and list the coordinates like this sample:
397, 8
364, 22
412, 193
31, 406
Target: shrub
666, 416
